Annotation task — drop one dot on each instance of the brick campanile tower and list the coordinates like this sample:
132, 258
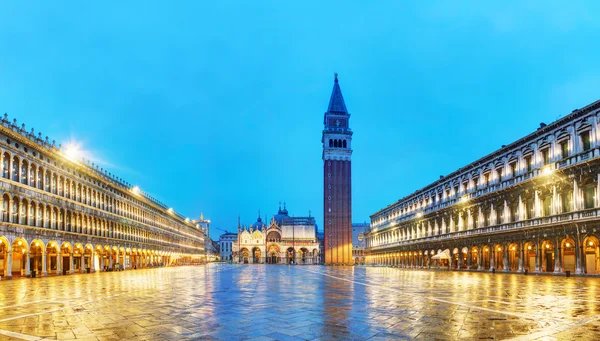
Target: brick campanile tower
337, 180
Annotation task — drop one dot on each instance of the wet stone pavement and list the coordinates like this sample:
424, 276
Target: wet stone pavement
279, 302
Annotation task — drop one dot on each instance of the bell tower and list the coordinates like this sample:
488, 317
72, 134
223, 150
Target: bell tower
337, 180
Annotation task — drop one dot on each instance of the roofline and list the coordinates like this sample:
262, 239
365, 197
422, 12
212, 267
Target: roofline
540, 131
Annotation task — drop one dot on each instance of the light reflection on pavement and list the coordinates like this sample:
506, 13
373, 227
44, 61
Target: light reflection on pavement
280, 302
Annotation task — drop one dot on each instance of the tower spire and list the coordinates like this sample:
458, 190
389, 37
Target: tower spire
336, 102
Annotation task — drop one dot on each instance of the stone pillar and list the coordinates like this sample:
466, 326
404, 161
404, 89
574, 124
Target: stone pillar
110, 259
479, 256
27, 264
82, 263
538, 257
101, 255
59, 262
71, 263
469, 259
506, 266
579, 255
492, 258
44, 262
460, 260
92, 261
9, 261
521, 256
557, 260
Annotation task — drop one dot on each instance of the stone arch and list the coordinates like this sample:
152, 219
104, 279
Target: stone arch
514, 256
567, 248
529, 255
547, 256
591, 254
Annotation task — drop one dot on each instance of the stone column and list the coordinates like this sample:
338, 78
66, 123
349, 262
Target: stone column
579, 255
27, 264
479, 256
101, 256
9, 265
44, 260
460, 260
469, 259
492, 258
506, 265
92, 261
521, 256
557, 262
71, 263
538, 257
82, 263
59, 262
111, 259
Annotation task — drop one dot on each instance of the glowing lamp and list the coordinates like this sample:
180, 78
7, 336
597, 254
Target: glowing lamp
568, 244
546, 171
547, 246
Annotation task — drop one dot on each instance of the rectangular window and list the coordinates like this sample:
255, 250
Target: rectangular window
513, 168
548, 205
500, 214
487, 179
564, 149
545, 156
588, 197
528, 162
455, 190
499, 171
515, 211
566, 201
585, 140
529, 208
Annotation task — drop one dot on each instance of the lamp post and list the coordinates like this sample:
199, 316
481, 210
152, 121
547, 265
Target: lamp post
293, 241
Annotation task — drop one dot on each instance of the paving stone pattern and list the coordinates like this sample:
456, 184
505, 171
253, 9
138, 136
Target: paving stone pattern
280, 302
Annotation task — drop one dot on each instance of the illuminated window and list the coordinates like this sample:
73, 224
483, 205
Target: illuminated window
529, 208
548, 205
513, 168
545, 156
564, 149
588, 196
528, 162
585, 140
566, 201
514, 210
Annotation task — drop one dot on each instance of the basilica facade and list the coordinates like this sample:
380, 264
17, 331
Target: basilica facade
61, 215
283, 240
531, 206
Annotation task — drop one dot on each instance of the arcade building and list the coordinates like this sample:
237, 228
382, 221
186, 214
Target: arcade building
61, 215
284, 240
531, 206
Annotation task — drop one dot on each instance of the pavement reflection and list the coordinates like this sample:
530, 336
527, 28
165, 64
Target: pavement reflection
281, 302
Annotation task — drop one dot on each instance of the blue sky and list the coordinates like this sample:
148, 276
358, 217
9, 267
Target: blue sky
217, 107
